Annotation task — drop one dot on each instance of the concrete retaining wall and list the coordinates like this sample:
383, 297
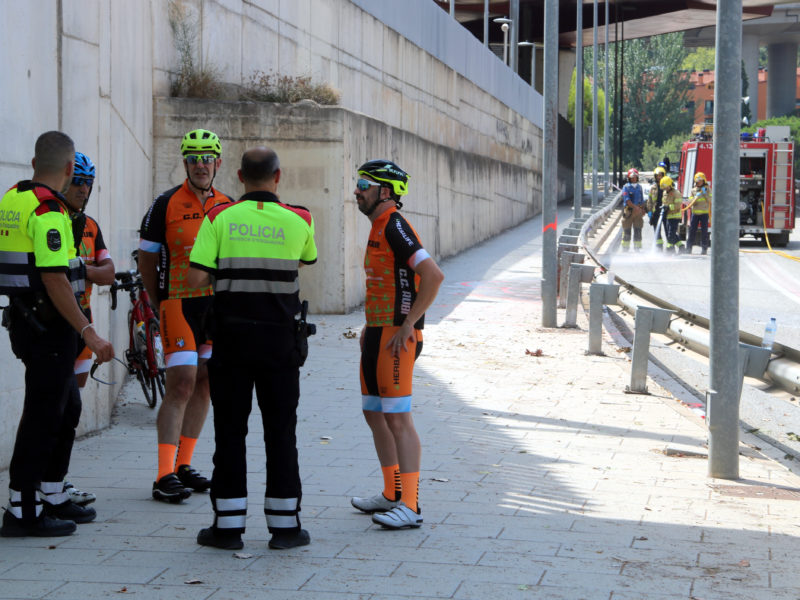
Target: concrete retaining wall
415, 87
456, 198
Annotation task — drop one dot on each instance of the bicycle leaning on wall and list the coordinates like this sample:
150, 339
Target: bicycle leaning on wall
145, 354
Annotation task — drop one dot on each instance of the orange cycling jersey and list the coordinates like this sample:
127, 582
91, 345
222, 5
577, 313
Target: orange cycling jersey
393, 252
169, 228
93, 251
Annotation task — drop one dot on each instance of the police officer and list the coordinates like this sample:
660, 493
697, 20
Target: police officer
254, 248
41, 273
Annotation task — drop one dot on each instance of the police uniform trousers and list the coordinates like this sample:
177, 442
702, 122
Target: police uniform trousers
51, 409
247, 355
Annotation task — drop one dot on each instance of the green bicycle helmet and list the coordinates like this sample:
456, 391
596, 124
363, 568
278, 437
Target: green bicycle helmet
387, 172
201, 141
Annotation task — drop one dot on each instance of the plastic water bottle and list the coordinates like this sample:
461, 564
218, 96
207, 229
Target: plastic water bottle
769, 334
158, 348
141, 337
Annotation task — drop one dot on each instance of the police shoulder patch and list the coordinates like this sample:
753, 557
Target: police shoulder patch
54, 240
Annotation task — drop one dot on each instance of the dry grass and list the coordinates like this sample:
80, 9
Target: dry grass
273, 87
191, 80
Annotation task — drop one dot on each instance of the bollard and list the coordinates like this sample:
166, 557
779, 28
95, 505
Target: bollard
647, 320
564, 261
753, 361
578, 274
599, 294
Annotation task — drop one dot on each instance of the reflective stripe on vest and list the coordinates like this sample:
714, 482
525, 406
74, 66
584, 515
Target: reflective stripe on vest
257, 275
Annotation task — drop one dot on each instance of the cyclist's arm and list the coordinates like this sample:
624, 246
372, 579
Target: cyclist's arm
60, 292
102, 273
197, 278
148, 262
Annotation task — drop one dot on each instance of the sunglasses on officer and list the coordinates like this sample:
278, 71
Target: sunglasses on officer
365, 184
79, 181
206, 159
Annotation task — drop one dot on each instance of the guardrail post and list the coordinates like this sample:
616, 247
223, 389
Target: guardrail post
753, 361
578, 273
565, 260
570, 240
576, 231
647, 320
599, 294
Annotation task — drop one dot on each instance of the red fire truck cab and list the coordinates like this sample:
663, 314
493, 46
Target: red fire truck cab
766, 180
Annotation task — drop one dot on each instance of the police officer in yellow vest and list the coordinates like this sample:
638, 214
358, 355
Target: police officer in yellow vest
41, 274
701, 207
254, 248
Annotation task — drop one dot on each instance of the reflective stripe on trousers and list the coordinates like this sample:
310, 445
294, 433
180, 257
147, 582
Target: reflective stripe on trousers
282, 513
230, 513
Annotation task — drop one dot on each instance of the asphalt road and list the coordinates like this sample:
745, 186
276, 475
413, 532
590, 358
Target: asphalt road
769, 283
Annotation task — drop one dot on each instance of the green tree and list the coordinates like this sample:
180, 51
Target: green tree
587, 104
655, 93
700, 59
652, 154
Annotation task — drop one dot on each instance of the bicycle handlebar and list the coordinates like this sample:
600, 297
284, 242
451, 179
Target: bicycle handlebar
128, 281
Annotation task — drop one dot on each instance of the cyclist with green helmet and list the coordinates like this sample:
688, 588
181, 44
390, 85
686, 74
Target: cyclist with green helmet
402, 282
168, 233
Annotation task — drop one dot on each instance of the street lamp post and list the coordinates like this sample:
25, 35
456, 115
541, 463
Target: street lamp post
533, 60
505, 25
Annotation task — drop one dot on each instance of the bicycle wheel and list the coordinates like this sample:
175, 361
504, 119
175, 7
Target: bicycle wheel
148, 387
155, 360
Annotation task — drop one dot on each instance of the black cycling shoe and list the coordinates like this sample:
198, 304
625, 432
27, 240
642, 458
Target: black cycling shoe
69, 511
211, 536
191, 479
291, 539
43, 526
170, 489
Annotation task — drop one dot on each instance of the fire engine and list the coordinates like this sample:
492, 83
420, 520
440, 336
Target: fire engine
766, 179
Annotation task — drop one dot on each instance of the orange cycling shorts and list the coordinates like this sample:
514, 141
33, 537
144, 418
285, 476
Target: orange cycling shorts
385, 378
182, 330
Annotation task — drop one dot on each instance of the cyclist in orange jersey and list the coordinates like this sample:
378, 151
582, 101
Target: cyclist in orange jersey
402, 282
167, 234
91, 248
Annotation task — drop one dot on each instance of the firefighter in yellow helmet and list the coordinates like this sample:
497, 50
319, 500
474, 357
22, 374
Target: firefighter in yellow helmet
672, 201
654, 206
701, 207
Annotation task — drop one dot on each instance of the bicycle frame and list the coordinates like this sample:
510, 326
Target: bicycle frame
142, 357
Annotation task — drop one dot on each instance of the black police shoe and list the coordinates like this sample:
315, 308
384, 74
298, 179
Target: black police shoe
290, 539
191, 479
70, 511
211, 536
170, 489
43, 526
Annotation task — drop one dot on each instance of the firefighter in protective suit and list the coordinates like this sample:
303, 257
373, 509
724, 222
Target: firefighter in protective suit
633, 206
701, 207
654, 206
671, 201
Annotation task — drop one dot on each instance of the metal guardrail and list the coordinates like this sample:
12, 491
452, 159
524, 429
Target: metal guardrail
686, 328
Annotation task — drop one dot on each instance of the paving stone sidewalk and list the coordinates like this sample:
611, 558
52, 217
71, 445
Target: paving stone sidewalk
541, 479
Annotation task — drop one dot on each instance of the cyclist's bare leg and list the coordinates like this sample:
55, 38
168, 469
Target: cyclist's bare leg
180, 388
409, 450
197, 408
382, 436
